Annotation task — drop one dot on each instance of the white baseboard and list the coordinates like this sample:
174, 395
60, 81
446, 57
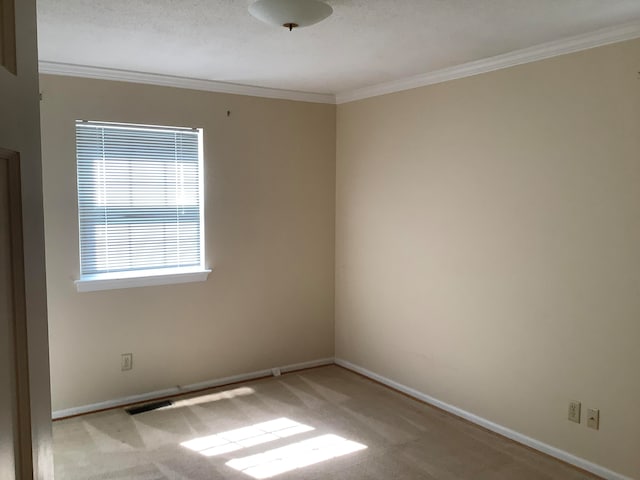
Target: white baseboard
243, 377
489, 425
494, 427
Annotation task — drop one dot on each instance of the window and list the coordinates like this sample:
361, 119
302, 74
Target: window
139, 205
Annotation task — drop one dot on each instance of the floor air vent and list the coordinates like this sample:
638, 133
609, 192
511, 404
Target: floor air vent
147, 407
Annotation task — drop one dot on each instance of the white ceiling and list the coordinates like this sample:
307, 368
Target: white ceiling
364, 42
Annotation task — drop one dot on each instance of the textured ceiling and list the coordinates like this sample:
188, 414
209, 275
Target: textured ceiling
364, 42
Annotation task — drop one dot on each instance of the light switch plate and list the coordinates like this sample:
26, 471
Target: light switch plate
593, 418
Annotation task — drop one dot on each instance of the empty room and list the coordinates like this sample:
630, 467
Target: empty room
304, 239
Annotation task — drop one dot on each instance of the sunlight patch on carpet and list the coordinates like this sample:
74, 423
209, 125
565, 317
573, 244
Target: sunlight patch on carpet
240, 438
295, 456
212, 397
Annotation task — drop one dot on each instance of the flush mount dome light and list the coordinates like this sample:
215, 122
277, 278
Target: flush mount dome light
290, 13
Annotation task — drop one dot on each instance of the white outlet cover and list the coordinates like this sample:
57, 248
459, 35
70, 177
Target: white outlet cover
574, 411
126, 362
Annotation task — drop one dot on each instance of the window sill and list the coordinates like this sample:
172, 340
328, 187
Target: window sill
145, 278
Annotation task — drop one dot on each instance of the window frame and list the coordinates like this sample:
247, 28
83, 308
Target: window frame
149, 276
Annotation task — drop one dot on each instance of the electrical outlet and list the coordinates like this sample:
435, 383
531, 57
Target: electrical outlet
574, 411
593, 418
126, 361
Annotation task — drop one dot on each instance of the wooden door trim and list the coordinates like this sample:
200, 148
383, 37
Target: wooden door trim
23, 442
8, 36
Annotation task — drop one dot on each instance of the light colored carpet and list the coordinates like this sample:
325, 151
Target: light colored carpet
324, 423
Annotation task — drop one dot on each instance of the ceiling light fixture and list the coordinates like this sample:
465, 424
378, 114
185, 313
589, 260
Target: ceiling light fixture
290, 13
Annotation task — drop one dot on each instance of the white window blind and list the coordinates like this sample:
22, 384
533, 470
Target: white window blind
139, 199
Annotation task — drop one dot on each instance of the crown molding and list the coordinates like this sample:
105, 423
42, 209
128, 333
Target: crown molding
620, 33
67, 69
606, 36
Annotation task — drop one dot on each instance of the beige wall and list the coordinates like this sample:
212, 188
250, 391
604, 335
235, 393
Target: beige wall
488, 246
20, 132
269, 213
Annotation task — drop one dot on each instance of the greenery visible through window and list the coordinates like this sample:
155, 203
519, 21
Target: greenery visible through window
139, 199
